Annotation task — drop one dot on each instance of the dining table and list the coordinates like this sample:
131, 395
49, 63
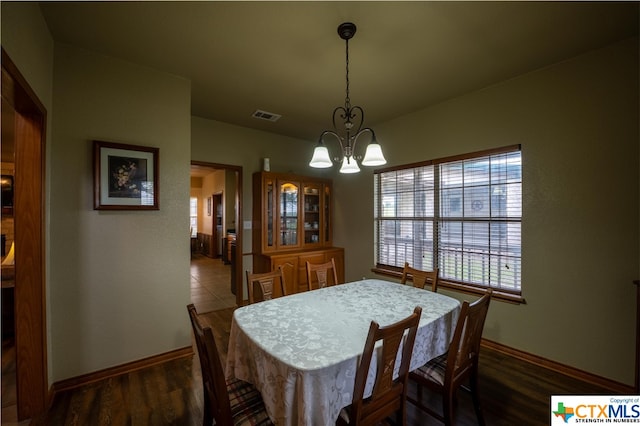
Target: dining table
302, 351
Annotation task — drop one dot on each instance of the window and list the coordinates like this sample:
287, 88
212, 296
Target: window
461, 214
193, 216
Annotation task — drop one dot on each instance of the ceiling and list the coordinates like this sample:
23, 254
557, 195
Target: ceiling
287, 58
201, 171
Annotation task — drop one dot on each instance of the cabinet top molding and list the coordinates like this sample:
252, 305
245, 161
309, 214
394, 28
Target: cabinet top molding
293, 176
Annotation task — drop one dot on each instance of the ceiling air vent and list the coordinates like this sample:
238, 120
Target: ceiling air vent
264, 115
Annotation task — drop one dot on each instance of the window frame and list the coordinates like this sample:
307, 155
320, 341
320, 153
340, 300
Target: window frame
192, 209
513, 296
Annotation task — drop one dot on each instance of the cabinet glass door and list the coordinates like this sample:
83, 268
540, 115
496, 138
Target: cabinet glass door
289, 214
269, 214
312, 212
327, 215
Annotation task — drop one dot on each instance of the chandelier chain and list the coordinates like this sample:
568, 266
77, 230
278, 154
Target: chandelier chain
347, 100
347, 135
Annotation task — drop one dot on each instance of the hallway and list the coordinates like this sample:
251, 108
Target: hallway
210, 284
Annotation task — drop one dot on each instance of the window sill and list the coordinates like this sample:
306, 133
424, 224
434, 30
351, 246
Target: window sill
455, 286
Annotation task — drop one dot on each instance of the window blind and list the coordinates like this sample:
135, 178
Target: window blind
461, 214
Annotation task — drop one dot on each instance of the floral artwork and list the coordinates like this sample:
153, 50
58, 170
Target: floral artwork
127, 175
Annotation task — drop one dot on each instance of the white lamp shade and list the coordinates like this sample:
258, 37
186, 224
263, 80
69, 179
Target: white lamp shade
321, 159
349, 166
373, 156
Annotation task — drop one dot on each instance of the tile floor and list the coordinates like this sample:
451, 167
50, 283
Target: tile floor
210, 284
9, 413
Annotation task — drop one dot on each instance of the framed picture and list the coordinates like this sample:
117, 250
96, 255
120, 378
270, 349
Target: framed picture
7, 194
209, 206
125, 177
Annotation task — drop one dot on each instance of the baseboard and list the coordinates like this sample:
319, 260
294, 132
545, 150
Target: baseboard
85, 379
74, 382
613, 386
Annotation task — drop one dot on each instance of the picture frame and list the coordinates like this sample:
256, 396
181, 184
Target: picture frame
6, 181
208, 206
125, 176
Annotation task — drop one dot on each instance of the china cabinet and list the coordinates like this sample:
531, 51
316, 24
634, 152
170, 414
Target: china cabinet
292, 223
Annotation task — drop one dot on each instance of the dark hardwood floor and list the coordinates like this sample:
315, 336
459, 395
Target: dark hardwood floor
9, 414
513, 393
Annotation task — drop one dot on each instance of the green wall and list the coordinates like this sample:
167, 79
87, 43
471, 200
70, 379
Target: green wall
119, 279
577, 122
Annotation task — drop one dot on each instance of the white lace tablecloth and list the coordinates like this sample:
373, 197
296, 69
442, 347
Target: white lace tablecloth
302, 351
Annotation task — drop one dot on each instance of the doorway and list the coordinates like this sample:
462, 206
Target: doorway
25, 118
222, 219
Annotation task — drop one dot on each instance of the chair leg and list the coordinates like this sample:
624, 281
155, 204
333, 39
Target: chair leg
400, 418
402, 413
447, 406
476, 399
207, 417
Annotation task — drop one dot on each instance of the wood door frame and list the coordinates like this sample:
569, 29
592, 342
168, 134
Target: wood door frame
238, 221
217, 198
29, 225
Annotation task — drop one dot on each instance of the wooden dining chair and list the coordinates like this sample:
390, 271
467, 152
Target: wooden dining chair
446, 373
267, 281
389, 395
231, 403
321, 273
420, 278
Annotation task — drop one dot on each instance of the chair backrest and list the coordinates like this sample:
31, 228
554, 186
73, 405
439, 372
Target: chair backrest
420, 278
465, 345
321, 273
389, 395
271, 285
216, 396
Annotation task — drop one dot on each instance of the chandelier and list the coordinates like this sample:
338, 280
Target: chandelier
351, 119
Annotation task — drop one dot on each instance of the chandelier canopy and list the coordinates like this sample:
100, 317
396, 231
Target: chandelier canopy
351, 119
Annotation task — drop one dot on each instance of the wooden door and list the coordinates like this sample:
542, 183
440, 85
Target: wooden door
289, 265
30, 302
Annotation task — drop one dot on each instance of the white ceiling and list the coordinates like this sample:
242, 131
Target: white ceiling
287, 58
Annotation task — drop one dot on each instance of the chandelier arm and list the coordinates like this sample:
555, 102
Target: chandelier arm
361, 132
334, 134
